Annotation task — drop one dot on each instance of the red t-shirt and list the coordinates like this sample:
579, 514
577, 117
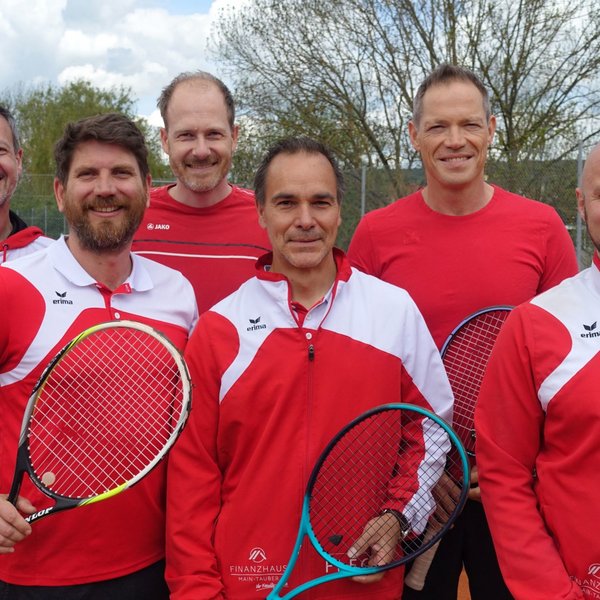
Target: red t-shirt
214, 247
506, 253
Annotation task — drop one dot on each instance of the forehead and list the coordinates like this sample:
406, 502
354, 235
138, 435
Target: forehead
301, 173
196, 102
98, 155
454, 97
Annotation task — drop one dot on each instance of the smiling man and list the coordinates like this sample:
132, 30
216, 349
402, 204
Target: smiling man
112, 549
202, 225
457, 246
279, 367
16, 238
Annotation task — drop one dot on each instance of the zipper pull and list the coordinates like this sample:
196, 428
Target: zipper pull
311, 352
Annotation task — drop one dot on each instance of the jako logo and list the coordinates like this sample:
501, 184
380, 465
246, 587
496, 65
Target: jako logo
62, 298
158, 226
257, 555
255, 325
594, 570
590, 331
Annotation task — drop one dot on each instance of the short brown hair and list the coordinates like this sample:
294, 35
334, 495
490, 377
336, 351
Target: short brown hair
445, 74
110, 128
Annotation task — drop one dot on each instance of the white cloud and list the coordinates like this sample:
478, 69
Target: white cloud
140, 44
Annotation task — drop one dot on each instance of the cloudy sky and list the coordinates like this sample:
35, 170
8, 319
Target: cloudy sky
141, 44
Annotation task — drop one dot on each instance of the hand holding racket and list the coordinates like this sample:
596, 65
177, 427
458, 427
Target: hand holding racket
372, 486
465, 355
103, 414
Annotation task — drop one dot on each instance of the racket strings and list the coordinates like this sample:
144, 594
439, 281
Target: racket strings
385, 461
465, 359
126, 380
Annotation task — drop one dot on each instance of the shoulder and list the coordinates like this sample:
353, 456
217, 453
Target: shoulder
378, 297
527, 206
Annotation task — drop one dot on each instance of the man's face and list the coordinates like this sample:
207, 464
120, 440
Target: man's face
10, 163
588, 196
301, 212
104, 197
198, 138
453, 135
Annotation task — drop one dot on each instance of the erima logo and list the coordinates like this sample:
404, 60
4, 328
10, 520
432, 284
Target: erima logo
257, 555
255, 324
590, 331
62, 298
152, 226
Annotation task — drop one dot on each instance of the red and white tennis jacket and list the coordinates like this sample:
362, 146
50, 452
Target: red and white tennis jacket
538, 450
46, 298
269, 394
23, 240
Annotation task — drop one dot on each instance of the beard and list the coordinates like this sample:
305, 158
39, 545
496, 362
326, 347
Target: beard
200, 182
109, 235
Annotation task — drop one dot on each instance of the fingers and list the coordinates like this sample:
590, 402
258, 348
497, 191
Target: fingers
13, 527
381, 534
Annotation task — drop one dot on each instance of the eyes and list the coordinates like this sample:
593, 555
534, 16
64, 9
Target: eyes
291, 202
439, 128
187, 136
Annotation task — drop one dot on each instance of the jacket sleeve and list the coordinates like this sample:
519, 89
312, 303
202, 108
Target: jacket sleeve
509, 423
423, 383
194, 476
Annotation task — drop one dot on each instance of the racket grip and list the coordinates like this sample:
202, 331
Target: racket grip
418, 572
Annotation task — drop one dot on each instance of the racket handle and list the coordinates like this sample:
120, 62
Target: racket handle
418, 572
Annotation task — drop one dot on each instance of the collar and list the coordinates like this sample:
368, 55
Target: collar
65, 263
263, 268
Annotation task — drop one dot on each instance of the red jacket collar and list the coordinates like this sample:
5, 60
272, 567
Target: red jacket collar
341, 262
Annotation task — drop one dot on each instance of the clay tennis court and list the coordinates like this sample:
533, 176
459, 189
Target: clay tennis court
463, 588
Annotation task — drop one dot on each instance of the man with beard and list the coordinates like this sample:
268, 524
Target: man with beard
113, 548
202, 225
541, 382
16, 238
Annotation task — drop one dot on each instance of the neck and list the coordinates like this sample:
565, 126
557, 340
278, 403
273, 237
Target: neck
182, 194
308, 286
457, 201
109, 268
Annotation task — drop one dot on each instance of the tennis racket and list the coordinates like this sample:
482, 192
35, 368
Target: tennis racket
381, 480
103, 414
465, 355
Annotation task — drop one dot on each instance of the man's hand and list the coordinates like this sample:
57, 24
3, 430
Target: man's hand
381, 535
475, 492
13, 527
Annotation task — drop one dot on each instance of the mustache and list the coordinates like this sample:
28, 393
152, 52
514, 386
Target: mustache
103, 202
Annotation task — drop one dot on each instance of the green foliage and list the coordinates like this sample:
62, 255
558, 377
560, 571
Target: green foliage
42, 113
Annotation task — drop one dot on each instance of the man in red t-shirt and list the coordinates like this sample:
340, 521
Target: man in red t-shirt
202, 225
457, 246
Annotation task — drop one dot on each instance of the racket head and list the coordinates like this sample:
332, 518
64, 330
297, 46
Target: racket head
465, 355
393, 456
103, 414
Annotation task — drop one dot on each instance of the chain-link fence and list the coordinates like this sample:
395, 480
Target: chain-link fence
552, 182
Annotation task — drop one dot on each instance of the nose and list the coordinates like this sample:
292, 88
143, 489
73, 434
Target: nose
304, 217
455, 137
201, 148
105, 185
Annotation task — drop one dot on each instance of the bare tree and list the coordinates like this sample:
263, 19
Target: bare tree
346, 71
